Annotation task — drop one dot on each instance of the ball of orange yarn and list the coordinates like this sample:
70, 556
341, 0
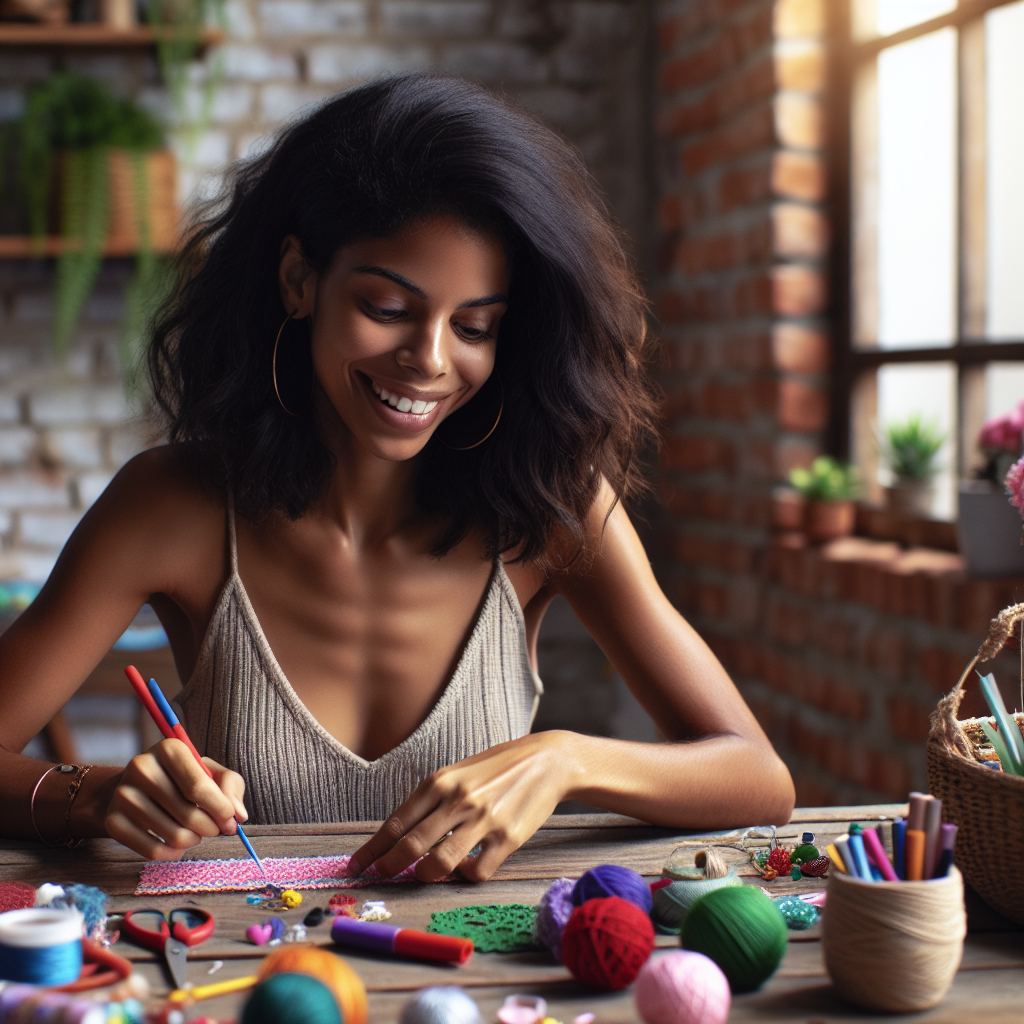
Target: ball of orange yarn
606, 942
326, 967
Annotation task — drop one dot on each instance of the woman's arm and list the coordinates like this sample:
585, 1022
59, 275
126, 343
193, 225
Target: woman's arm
717, 770
134, 542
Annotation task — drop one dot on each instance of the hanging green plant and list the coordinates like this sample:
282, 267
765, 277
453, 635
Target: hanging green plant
70, 125
178, 26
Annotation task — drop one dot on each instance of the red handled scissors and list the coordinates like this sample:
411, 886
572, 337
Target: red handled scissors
170, 934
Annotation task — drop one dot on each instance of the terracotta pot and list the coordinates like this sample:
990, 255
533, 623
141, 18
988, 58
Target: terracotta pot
910, 499
122, 219
829, 520
788, 508
161, 199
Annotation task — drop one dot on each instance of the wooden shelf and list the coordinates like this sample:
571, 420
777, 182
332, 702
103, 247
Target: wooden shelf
95, 35
20, 247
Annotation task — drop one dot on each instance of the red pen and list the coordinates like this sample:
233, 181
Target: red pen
167, 722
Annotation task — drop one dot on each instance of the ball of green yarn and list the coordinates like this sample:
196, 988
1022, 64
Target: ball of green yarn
741, 930
291, 999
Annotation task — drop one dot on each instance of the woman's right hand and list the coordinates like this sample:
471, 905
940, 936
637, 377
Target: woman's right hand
163, 803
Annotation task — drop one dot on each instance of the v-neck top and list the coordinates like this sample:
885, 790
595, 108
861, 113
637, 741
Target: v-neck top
239, 708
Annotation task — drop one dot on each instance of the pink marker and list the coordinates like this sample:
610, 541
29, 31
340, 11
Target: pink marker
875, 850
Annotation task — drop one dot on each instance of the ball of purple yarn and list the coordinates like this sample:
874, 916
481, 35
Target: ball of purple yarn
553, 914
611, 880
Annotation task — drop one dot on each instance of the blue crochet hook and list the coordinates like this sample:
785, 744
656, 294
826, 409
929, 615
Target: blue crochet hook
167, 722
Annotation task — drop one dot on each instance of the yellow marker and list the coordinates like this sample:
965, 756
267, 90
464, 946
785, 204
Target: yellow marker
833, 854
218, 988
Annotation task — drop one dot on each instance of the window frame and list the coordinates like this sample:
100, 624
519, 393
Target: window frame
850, 364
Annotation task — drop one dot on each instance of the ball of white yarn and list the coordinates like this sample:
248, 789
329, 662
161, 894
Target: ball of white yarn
47, 893
443, 1004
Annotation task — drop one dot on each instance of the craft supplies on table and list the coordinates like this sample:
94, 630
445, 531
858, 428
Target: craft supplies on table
987, 806
496, 928
21, 1003
167, 722
41, 945
405, 942
894, 946
742, 930
441, 1004
606, 942
167, 878
682, 987
170, 934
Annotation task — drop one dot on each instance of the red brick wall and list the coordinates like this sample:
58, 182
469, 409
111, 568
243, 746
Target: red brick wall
843, 651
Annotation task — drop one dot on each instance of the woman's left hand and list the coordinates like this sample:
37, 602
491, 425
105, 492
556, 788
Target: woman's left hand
497, 799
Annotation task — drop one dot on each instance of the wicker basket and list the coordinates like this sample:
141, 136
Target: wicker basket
986, 805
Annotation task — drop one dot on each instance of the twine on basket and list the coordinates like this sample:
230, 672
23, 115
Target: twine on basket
894, 946
944, 724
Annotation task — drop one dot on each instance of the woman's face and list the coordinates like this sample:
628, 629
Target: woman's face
404, 328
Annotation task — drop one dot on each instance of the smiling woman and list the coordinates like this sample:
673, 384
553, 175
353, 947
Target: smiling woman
403, 374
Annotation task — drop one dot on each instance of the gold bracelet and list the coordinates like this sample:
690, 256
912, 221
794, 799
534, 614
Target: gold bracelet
64, 769
74, 786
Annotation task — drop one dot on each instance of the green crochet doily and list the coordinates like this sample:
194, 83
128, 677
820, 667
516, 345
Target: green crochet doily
498, 928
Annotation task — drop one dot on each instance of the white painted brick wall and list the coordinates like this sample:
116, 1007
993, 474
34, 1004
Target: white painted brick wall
89, 486
335, 65
47, 529
582, 65
80, 404
33, 490
302, 17
257, 64
16, 445
78, 447
445, 19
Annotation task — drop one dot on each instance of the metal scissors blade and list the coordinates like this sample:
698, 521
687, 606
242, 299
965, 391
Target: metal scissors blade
176, 955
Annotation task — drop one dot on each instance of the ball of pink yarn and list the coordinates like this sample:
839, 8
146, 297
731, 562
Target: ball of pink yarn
682, 988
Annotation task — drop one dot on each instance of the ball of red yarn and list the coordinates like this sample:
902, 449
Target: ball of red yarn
16, 896
606, 942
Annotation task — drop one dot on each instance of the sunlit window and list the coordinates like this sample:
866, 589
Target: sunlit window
936, 200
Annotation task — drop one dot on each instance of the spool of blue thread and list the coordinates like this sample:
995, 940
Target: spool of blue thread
41, 946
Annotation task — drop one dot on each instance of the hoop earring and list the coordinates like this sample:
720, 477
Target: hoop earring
501, 409
273, 368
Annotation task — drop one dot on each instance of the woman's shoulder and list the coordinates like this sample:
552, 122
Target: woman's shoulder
159, 501
165, 477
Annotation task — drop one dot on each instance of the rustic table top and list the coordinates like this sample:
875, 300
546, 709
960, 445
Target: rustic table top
989, 985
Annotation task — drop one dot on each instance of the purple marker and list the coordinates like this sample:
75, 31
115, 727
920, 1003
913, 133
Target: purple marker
947, 838
392, 941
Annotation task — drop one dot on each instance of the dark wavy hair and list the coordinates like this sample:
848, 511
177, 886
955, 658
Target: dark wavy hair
578, 403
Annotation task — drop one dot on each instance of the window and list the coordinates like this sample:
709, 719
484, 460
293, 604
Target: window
927, 175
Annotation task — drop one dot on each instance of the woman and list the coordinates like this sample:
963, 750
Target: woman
403, 377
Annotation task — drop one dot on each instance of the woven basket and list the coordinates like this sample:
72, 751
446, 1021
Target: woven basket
986, 805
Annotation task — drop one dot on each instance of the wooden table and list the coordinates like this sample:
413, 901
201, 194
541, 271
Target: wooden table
989, 986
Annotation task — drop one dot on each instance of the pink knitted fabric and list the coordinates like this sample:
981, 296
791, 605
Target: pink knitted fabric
162, 878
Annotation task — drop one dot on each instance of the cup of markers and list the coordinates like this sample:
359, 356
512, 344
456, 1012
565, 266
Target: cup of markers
894, 924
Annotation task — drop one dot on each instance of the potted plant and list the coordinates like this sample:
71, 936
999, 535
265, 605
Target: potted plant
829, 488
910, 449
988, 527
92, 167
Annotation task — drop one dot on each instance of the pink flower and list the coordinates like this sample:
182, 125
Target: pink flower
1015, 485
1004, 432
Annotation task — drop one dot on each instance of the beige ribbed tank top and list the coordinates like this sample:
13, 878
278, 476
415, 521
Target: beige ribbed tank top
239, 708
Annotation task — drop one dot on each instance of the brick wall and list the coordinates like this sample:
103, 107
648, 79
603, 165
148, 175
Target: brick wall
583, 66
579, 65
841, 651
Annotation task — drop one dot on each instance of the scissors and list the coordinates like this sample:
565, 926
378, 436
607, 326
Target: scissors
175, 932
